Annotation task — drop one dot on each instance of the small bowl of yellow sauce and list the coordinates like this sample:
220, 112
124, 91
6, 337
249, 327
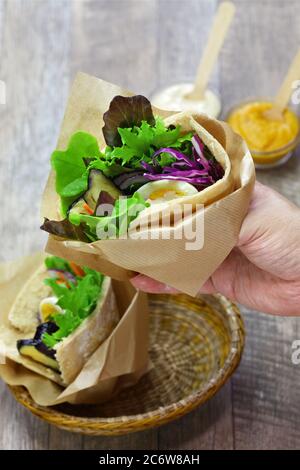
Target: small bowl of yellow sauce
270, 141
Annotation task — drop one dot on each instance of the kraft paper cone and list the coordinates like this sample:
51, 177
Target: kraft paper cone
166, 260
119, 361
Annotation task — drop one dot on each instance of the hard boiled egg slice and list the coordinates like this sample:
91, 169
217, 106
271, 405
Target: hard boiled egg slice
157, 192
48, 307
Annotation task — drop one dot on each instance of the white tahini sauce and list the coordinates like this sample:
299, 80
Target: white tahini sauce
173, 99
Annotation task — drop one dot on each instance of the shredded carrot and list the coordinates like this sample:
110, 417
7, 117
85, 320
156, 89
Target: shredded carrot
88, 208
77, 270
63, 279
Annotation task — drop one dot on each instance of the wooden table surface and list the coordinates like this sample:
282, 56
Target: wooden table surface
144, 45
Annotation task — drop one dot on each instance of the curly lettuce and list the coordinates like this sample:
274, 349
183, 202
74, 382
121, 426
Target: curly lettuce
77, 302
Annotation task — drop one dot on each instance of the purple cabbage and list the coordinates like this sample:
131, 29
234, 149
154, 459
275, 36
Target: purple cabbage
196, 170
69, 276
175, 153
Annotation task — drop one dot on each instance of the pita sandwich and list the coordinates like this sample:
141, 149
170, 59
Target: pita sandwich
60, 317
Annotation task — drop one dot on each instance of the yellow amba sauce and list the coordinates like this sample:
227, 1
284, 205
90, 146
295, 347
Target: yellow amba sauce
268, 140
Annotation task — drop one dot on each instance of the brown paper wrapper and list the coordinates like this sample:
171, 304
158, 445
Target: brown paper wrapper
167, 261
119, 361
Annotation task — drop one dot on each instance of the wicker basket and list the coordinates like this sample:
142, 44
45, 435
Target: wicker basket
196, 344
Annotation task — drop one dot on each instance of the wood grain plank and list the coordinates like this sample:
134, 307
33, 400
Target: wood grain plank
20, 430
208, 427
262, 42
34, 65
183, 29
116, 41
145, 440
62, 440
35, 68
146, 44
224, 432
266, 390
259, 48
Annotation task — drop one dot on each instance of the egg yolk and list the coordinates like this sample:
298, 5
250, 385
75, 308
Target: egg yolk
47, 310
163, 193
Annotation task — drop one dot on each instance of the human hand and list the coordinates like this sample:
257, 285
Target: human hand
263, 271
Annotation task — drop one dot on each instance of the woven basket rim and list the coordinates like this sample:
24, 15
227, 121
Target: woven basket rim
114, 425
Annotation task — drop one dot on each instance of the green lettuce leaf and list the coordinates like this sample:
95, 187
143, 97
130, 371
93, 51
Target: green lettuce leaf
78, 302
109, 168
139, 143
70, 168
76, 187
56, 263
124, 212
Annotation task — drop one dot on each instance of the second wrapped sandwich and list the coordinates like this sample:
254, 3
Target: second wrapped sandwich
61, 316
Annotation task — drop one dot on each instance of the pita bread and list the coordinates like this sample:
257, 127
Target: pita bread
73, 351
24, 313
76, 349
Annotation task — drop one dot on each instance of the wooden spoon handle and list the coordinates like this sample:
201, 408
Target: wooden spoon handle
285, 91
216, 38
